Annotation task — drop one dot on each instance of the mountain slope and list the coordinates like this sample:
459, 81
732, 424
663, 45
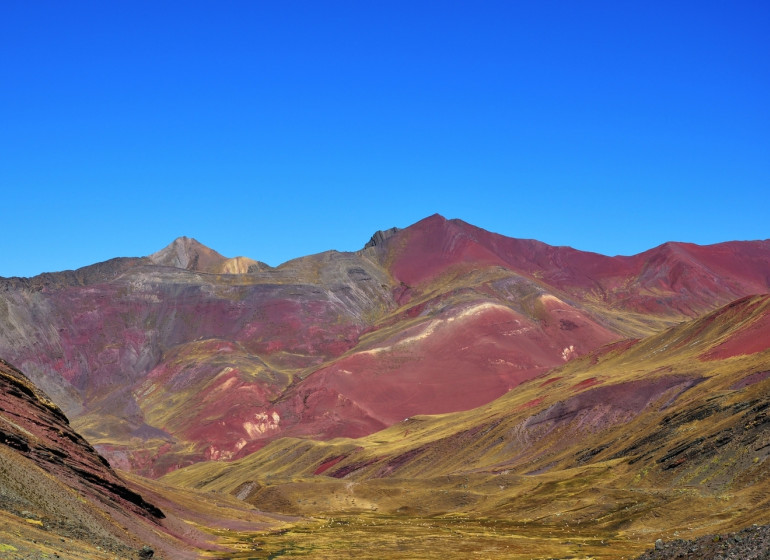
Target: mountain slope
186, 355
658, 437
53, 480
60, 498
188, 254
675, 278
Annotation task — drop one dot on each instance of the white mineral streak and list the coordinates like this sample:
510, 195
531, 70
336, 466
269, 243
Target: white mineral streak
263, 422
427, 329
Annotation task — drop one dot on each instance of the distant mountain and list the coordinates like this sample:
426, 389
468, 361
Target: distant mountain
673, 278
185, 355
188, 254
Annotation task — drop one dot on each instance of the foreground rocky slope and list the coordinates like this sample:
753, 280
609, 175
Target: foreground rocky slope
60, 499
53, 480
187, 355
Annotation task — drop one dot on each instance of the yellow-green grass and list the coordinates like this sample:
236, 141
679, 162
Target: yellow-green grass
559, 494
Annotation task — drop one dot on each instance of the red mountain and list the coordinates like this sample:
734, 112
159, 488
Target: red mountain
184, 355
663, 437
675, 277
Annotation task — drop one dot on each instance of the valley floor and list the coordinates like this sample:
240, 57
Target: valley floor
408, 538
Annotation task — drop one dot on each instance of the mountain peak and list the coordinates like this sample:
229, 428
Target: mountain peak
189, 254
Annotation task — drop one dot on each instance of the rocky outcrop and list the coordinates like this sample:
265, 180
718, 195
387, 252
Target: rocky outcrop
380, 237
38, 430
54, 482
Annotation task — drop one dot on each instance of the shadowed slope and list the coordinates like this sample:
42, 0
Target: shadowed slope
52, 479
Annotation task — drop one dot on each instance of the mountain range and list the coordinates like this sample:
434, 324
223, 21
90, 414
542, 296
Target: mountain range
441, 370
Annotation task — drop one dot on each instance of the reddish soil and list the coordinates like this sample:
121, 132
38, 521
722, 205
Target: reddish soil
329, 463
549, 381
674, 277
590, 382
460, 361
753, 338
533, 402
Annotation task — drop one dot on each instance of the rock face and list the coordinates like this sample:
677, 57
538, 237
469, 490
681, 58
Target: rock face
186, 355
380, 236
33, 426
51, 475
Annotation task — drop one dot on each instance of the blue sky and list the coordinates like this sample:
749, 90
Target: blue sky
279, 129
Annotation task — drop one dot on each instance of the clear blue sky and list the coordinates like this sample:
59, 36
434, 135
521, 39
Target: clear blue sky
284, 128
